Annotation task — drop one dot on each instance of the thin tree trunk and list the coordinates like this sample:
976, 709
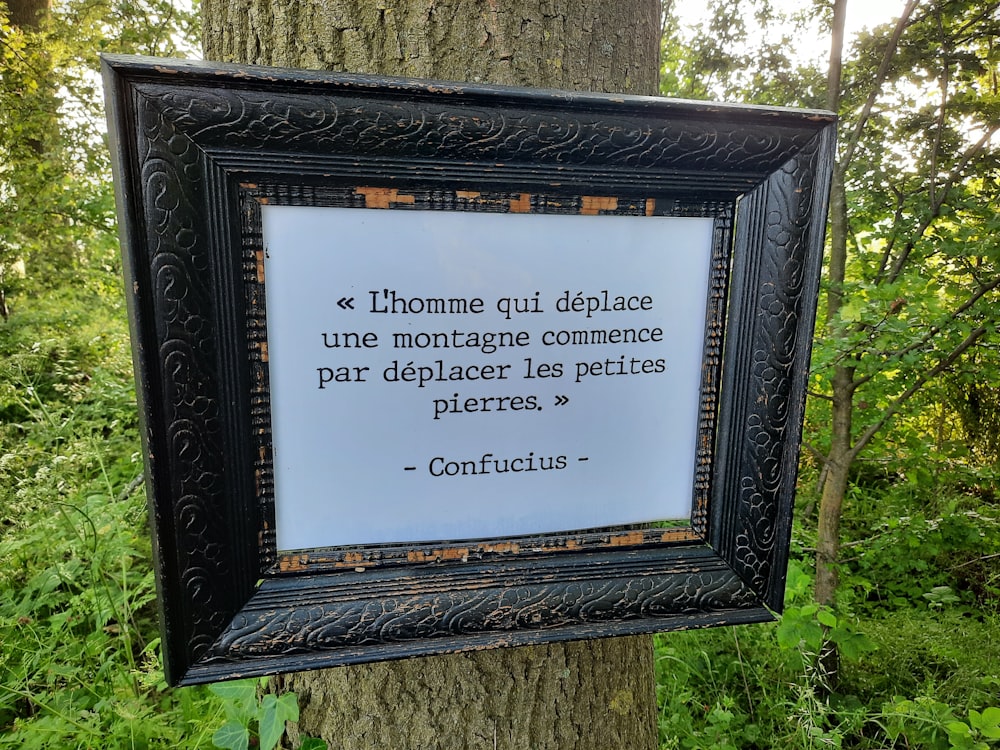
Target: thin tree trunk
838, 461
844, 384
834, 488
589, 694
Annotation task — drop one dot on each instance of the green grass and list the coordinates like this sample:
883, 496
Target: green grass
79, 666
737, 687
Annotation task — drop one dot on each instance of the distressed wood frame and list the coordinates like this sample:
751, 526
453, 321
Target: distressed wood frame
197, 146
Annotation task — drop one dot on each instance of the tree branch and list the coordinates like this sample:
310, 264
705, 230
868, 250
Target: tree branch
917, 384
890, 244
851, 143
972, 562
934, 330
816, 452
815, 394
937, 202
945, 82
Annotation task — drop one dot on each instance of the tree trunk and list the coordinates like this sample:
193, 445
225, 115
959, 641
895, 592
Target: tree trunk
587, 694
831, 508
27, 15
840, 456
590, 694
838, 462
839, 459
582, 45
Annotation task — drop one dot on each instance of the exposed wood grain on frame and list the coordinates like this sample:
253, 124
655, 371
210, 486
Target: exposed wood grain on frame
521, 205
592, 205
259, 254
325, 560
376, 197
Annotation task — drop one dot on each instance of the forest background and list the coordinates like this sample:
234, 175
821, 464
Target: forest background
891, 634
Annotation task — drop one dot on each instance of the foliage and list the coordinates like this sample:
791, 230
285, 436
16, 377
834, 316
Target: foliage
975, 404
911, 300
923, 678
79, 665
56, 202
918, 616
743, 52
251, 716
928, 723
936, 561
912, 296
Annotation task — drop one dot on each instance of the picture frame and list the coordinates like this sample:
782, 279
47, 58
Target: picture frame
200, 153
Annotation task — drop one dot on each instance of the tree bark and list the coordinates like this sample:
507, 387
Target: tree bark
838, 460
27, 14
578, 45
843, 448
589, 694
831, 504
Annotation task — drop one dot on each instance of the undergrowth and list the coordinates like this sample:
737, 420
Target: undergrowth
918, 623
917, 629
79, 665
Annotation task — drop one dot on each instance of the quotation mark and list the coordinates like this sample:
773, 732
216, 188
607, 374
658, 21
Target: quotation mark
346, 303
562, 400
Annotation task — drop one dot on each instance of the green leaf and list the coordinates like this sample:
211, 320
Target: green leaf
796, 626
238, 691
852, 645
987, 722
288, 707
812, 634
240, 698
827, 618
852, 310
271, 726
313, 743
958, 729
232, 736
788, 633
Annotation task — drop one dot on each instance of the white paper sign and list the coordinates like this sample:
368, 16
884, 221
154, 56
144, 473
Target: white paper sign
446, 375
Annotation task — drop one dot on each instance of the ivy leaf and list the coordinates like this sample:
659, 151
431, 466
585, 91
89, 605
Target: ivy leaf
240, 698
237, 691
288, 707
232, 736
271, 726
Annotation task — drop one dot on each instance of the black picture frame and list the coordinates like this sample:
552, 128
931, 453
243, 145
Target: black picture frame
197, 147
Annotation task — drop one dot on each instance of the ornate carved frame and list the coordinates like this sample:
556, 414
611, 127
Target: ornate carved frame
197, 147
